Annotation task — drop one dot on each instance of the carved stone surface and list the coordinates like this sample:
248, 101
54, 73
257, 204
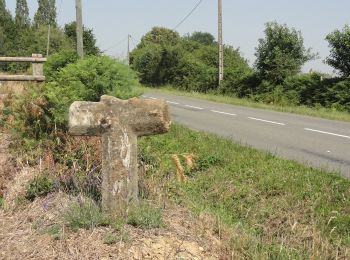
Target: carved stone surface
119, 122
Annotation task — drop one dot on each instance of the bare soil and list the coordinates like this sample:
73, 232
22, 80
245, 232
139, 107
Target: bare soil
24, 235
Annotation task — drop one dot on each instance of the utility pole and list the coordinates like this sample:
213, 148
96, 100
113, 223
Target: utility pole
48, 41
128, 55
221, 48
79, 18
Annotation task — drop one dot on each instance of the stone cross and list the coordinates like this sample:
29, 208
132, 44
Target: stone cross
119, 122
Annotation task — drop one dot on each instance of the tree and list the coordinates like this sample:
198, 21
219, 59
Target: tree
201, 37
281, 53
5, 15
22, 13
46, 13
162, 36
339, 58
89, 38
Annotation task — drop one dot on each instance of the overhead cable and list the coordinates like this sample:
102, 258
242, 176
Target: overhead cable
189, 14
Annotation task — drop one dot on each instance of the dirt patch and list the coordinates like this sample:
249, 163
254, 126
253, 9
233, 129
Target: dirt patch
24, 235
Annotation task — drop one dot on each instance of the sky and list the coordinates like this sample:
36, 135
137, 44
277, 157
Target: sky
243, 21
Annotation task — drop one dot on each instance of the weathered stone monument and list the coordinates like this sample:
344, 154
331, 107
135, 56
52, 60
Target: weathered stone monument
119, 122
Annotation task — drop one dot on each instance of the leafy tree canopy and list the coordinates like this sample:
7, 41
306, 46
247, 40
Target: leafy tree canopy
162, 36
204, 38
89, 38
339, 58
281, 53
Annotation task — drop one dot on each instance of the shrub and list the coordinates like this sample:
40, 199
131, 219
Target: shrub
40, 186
85, 214
58, 61
308, 88
88, 80
146, 217
338, 95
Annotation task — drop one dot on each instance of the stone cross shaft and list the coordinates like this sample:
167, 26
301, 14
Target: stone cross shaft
119, 122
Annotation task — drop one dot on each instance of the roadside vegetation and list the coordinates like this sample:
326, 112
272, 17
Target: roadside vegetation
190, 64
264, 207
316, 111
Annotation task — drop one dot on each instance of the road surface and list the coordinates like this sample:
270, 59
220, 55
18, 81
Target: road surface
315, 142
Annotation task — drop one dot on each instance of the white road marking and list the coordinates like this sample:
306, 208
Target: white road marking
327, 133
194, 107
266, 121
224, 113
153, 98
174, 103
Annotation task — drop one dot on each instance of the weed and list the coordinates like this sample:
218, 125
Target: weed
55, 231
125, 237
110, 239
85, 214
146, 217
2, 202
40, 186
118, 224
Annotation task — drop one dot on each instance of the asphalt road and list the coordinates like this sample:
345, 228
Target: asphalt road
312, 141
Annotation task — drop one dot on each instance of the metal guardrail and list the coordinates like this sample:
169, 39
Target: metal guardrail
37, 65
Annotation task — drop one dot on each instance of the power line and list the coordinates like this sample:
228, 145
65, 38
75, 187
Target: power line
187, 16
116, 45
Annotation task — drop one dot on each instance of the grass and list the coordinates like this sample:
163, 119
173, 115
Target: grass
86, 215
321, 112
145, 216
272, 208
110, 239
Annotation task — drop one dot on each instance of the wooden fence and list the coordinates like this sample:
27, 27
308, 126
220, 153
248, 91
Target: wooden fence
37, 65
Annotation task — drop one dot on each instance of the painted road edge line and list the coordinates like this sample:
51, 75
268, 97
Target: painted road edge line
194, 107
173, 103
266, 121
224, 113
327, 133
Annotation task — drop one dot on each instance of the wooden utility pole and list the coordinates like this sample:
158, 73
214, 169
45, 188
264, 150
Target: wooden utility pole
128, 55
221, 49
48, 41
79, 18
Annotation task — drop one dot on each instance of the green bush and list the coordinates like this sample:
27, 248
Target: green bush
309, 88
39, 187
146, 61
146, 217
88, 80
338, 95
58, 61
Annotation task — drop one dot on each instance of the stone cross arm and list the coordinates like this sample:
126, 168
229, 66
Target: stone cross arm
143, 117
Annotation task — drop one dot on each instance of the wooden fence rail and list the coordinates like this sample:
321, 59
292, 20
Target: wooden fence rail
37, 65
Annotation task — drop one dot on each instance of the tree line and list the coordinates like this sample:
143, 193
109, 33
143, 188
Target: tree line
190, 63
21, 36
